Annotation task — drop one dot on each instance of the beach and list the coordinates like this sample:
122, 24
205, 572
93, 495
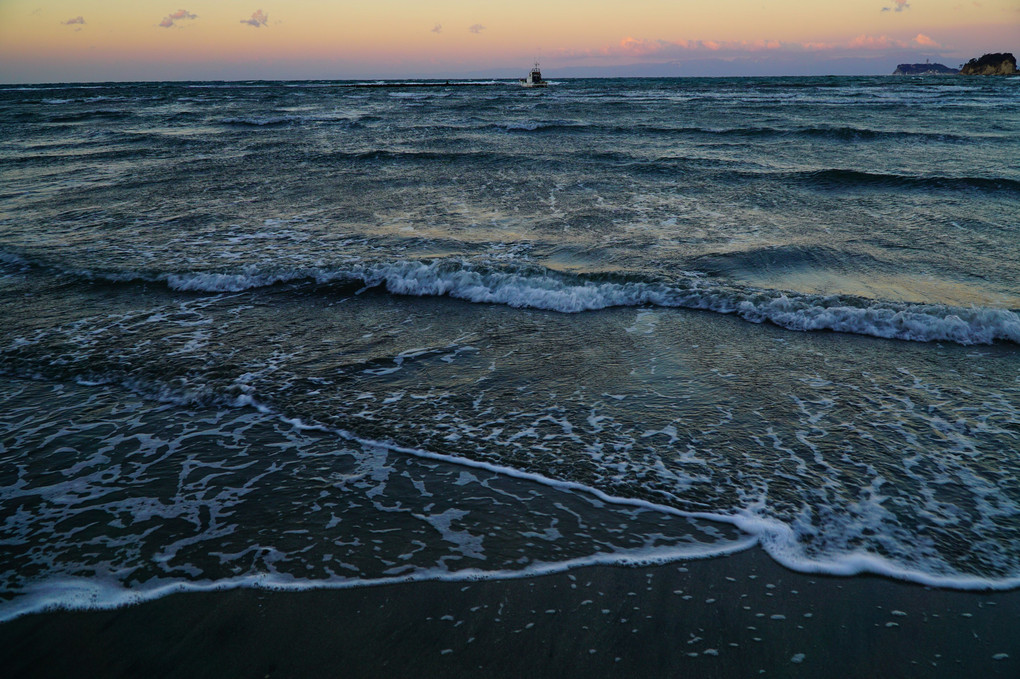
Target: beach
655, 377
735, 616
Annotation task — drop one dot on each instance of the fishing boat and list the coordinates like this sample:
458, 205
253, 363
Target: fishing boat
534, 78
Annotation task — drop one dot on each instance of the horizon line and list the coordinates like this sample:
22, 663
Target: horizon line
454, 81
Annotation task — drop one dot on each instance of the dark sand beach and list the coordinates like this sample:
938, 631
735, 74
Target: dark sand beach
735, 616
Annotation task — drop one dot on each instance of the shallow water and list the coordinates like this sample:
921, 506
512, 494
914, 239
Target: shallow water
308, 334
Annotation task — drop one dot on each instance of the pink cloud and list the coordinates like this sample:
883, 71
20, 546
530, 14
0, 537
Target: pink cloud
258, 18
817, 46
180, 14
874, 42
643, 47
660, 50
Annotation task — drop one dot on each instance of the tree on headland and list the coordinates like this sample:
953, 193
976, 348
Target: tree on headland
997, 63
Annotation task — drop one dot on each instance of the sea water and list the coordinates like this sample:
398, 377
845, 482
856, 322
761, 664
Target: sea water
306, 334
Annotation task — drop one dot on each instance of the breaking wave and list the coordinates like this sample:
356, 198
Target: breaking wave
535, 287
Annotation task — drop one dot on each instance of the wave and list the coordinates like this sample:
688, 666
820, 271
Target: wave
261, 121
541, 126
551, 291
77, 152
846, 133
839, 134
864, 134
827, 179
843, 133
535, 287
13, 260
418, 156
84, 116
839, 178
740, 263
776, 538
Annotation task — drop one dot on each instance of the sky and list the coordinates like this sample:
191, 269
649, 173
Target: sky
104, 40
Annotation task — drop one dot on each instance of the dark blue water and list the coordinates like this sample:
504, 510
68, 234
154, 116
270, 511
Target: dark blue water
316, 334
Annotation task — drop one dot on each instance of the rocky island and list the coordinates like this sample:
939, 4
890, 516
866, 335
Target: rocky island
924, 69
1001, 63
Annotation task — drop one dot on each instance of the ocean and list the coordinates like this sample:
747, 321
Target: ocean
304, 335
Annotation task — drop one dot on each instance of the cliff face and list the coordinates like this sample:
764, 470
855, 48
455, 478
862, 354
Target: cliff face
1002, 63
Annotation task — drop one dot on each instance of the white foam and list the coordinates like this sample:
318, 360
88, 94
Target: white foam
105, 591
544, 290
95, 594
547, 290
780, 542
778, 539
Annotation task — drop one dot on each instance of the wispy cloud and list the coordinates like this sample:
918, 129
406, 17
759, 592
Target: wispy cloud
179, 15
438, 28
647, 49
875, 42
476, 28
642, 47
900, 5
77, 21
258, 18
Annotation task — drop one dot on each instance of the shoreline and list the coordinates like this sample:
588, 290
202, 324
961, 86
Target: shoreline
731, 616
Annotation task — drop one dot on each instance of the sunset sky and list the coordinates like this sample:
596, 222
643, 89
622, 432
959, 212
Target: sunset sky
88, 40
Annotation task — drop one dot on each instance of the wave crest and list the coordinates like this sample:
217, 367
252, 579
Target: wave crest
535, 287
538, 288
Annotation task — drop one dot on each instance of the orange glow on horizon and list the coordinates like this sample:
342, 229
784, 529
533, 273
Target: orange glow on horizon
127, 40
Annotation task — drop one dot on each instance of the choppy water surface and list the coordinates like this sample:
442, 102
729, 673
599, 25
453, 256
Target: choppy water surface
304, 334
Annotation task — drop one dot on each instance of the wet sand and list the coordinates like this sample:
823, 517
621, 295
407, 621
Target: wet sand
735, 616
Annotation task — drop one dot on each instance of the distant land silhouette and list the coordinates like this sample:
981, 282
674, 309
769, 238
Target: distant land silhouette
996, 63
924, 69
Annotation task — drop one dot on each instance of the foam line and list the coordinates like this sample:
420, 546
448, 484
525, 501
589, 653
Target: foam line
775, 537
78, 594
